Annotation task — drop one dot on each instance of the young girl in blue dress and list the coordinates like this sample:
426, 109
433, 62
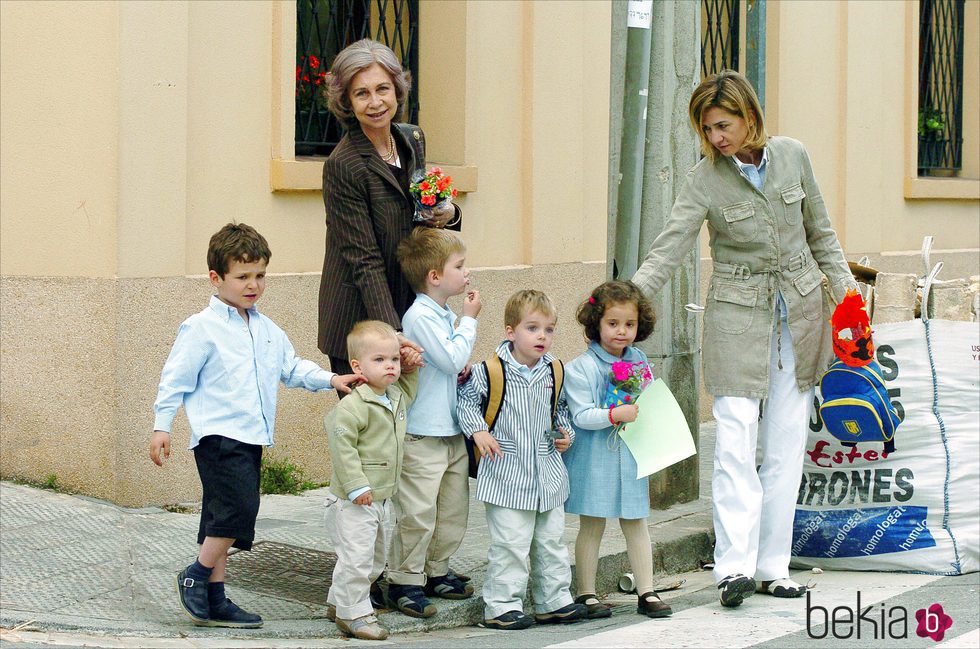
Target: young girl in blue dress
601, 469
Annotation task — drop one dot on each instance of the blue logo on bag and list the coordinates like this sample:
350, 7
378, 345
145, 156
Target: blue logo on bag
856, 407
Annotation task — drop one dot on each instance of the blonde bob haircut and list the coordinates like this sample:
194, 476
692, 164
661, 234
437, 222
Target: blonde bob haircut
524, 303
427, 249
364, 332
349, 62
733, 93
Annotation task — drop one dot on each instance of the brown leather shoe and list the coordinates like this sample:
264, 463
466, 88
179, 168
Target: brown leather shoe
363, 628
651, 605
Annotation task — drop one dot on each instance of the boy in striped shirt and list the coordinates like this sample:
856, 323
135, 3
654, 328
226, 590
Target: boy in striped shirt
522, 480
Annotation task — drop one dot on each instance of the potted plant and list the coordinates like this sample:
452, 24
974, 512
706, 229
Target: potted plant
932, 139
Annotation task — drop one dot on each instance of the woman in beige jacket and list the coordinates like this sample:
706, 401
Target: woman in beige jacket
766, 337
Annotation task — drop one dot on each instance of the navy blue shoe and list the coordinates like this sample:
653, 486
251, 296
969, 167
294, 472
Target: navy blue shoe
449, 587
410, 600
193, 596
566, 614
229, 614
509, 621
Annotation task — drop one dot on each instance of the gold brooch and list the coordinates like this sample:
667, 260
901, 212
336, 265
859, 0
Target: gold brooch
416, 135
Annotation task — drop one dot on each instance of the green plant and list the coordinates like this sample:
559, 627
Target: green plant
283, 477
930, 122
51, 482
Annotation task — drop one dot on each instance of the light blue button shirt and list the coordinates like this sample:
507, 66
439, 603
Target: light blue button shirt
757, 176
447, 351
226, 374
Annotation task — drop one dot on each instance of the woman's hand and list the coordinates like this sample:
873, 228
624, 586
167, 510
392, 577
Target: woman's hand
440, 215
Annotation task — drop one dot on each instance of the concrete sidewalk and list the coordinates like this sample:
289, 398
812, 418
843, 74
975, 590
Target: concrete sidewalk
76, 563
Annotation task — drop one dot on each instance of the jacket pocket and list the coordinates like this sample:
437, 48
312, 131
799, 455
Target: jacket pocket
740, 217
793, 203
807, 284
733, 306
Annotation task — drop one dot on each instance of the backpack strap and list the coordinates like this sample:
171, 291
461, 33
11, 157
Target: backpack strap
558, 378
497, 386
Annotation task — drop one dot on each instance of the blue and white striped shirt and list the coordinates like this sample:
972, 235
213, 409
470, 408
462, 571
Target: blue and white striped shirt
531, 475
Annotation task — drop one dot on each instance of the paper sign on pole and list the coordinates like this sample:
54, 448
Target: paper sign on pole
660, 435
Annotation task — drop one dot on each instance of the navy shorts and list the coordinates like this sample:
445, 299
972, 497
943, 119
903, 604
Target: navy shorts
229, 472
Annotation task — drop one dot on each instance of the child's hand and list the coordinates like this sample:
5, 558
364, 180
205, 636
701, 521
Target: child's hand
364, 499
561, 445
464, 376
625, 414
487, 444
159, 441
472, 304
345, 382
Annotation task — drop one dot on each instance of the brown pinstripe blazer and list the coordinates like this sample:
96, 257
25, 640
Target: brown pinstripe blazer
368, 214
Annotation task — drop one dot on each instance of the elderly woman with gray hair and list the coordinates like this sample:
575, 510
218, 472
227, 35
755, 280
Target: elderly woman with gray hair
365, 192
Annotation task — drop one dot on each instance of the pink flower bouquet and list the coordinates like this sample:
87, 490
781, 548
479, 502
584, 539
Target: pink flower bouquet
626, 382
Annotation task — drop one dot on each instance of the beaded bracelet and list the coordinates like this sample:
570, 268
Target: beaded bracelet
611, 420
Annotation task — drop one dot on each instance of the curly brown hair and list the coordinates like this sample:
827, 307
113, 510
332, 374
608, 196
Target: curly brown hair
590, 312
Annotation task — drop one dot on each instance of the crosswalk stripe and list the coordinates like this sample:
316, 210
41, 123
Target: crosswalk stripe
760, 618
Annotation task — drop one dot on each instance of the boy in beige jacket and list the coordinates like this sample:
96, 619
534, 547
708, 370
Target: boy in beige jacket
366, 431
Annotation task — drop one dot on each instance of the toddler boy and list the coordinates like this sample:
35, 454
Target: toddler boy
432, 503
522, 480
366, 432
225, 368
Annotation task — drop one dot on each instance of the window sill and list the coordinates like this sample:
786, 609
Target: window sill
304, 175
942, 188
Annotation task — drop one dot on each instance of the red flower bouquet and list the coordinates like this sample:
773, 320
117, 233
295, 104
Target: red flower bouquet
430, 189
626, 382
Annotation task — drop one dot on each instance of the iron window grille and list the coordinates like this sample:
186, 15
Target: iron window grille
324, 28
940, 123
719, 36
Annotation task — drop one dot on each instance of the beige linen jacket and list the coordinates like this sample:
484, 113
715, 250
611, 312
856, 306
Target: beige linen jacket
777, 239
367, 438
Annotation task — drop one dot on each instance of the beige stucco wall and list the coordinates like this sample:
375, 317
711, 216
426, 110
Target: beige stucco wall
114, 177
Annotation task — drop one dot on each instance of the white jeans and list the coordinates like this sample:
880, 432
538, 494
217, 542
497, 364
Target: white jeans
360, 535
754, 509
515, 535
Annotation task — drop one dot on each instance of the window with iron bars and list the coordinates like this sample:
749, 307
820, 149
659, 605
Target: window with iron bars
324, 28
719, 36
940, 123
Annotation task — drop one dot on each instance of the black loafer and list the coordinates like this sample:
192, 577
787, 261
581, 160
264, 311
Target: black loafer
595, 610
651, 605
229, 614
193, 596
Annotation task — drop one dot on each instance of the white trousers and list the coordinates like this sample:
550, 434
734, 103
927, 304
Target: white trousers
516, 535
754, 509
360, 536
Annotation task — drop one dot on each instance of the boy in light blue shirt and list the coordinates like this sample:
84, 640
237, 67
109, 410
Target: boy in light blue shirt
432, 503
225, 368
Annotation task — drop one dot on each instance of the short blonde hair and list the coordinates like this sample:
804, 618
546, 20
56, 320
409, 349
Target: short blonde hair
364, 331
427, 249
355, 58
733, 93
524, 302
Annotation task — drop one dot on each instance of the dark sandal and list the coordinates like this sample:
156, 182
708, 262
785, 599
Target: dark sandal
596, 609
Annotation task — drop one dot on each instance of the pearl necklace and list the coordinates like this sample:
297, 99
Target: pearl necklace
390, 156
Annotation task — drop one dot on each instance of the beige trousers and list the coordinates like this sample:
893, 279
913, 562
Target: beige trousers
360, 535
431, 508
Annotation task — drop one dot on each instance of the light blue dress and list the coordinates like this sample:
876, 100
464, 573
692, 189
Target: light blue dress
601, 470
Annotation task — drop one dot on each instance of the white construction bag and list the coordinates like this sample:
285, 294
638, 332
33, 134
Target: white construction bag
915, 509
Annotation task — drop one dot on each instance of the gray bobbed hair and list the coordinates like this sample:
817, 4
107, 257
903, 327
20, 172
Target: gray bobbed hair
349, 62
